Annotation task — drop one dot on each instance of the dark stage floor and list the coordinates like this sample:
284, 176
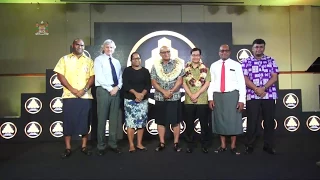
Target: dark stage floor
296, 158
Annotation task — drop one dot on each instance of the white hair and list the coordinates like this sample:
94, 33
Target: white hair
108, 42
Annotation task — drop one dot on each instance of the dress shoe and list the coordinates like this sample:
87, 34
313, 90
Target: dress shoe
204, 150
66, 154
269, 150
249, 150
101, 152
85, 151
189, 150
116, 150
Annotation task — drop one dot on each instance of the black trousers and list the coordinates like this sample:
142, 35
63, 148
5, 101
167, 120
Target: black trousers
267, 108
192, 112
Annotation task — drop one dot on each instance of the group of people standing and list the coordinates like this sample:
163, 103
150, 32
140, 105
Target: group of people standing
220, 91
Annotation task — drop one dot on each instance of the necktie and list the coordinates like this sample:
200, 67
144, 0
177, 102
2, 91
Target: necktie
114, 74
223, 78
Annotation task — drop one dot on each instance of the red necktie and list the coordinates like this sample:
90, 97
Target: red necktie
223, 77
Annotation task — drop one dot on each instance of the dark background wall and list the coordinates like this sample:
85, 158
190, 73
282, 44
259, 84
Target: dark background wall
294, 39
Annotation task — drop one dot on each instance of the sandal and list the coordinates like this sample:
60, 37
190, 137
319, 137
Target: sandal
160, 147
66, 153
142, 149
220, 149
85, 151
234, 151
176, 147
132, 151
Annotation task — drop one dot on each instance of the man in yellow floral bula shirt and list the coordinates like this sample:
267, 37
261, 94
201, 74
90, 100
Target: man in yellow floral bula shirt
75, 72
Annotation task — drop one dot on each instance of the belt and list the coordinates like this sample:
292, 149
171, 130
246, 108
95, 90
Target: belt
113, 85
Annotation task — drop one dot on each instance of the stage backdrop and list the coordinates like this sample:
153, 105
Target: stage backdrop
41, 113
147, 38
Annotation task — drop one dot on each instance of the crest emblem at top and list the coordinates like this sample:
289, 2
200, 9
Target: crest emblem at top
42, 28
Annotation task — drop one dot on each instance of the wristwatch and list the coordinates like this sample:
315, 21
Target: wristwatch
85, 89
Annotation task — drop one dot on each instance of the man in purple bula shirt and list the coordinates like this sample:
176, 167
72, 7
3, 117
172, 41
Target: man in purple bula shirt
261, 73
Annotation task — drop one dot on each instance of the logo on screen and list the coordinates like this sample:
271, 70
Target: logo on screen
124, 128
275, 124
243, 54
55, 83
291, 123
8, 130
197, 126
56, 105
244, 124
107, 128
87, 53
33, 105
56, 129
313, 123
182, 127
33, 129
154, 54
152, 127
290, 100
88, 131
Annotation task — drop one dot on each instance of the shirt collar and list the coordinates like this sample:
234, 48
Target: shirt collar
83, 55
262, 58
108, 56
170, 61
198, 67
225, 60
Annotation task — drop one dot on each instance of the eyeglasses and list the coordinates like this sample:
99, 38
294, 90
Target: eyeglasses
222, 51
164, 52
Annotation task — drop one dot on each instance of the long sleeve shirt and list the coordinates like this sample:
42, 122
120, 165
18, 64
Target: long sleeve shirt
103, 73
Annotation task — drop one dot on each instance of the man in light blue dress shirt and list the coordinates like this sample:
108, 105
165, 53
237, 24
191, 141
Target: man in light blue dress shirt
108, 82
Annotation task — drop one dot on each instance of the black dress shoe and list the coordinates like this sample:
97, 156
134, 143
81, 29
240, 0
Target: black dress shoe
205, 150
101, 152
269, 150
249, 150
66, 154
116, 150
189, 150
85, 151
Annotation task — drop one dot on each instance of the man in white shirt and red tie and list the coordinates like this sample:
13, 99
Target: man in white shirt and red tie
226, 96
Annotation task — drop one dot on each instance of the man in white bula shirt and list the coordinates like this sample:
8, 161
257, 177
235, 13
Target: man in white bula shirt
226, 96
